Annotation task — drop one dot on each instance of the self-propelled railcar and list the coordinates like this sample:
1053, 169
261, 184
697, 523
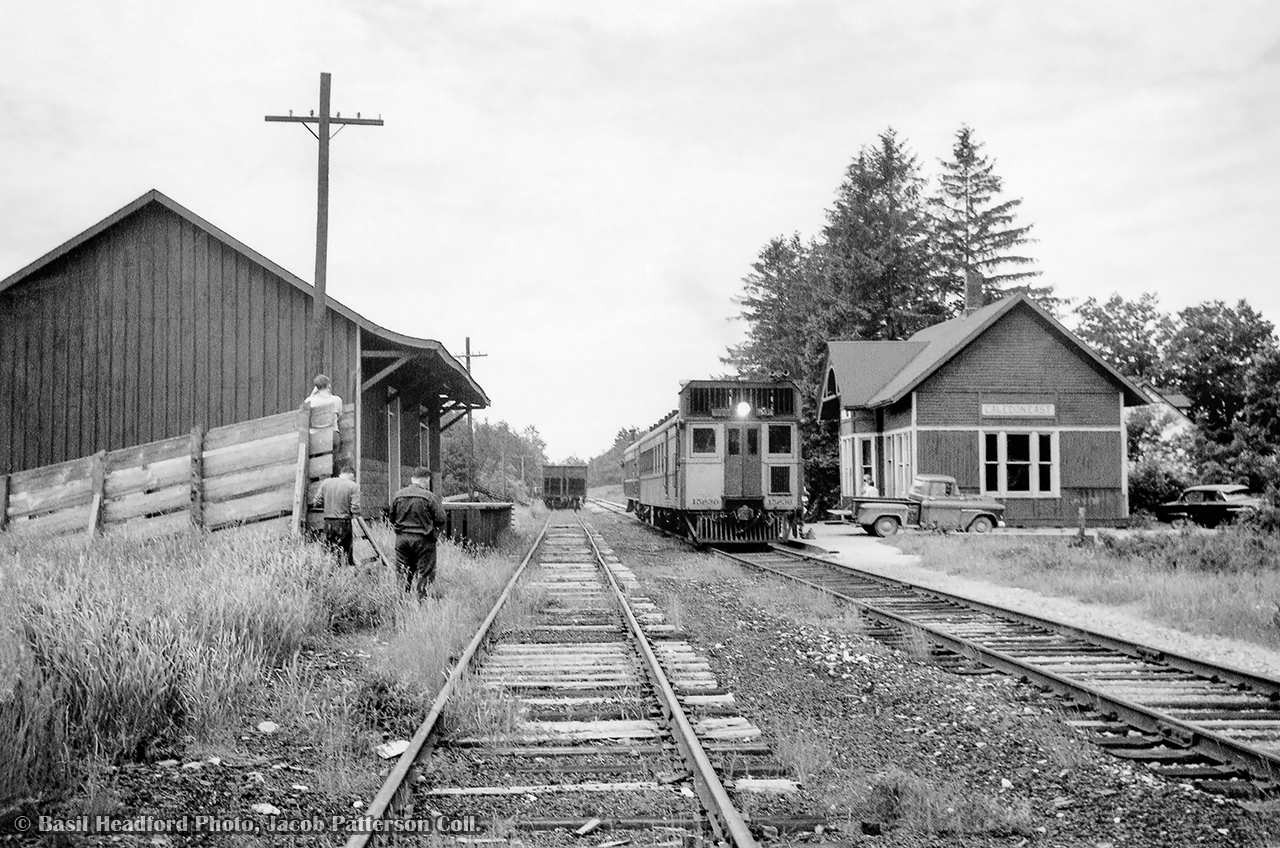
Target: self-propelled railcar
725, 467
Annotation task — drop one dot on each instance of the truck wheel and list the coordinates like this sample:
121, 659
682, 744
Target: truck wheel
886, 525
981, 524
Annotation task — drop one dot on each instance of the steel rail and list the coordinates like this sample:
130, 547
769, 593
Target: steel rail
725, 818
1182, 734
1212, 671
423, 740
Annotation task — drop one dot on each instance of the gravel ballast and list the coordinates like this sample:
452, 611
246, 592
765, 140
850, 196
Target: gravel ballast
901, 752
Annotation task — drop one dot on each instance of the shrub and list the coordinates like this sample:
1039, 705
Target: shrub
1152, 482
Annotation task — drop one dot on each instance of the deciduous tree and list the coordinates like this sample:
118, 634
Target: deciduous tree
1211, 355
1132, 335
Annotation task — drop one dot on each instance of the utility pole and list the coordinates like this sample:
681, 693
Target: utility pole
471, 433
320, 307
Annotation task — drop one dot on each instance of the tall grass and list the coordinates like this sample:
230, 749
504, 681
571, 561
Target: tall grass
122, 648
1222, 583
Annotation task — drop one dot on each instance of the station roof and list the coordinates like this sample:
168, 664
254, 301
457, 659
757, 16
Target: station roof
430, 354
869, 374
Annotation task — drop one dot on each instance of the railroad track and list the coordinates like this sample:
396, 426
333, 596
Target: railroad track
1186, 719
583, 712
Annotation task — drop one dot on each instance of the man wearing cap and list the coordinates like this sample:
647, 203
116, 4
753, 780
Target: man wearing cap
340, 497
417, 514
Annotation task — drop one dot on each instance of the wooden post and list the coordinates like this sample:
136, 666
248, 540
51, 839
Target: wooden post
197, 477
4, 502
302, 477
320, 303
1080, 519
99, 475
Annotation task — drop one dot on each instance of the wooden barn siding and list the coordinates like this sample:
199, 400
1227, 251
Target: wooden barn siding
373, 436
145, 331
949, 452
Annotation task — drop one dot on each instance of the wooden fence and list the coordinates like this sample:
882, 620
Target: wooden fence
254, 472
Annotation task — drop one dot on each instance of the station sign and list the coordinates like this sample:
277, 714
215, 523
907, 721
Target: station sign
1019, 410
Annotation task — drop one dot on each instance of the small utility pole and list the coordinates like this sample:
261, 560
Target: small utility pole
471, 433
320, 310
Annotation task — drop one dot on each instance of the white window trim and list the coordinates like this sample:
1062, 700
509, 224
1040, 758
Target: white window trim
1055, 469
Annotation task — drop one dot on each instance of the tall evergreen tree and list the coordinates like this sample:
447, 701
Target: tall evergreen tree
975, 233
778, 304
877, 256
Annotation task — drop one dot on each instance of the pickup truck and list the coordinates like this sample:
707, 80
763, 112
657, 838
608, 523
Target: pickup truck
934, 500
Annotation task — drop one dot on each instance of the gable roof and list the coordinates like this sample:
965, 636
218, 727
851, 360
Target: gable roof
457, 374
931, 348
861, 369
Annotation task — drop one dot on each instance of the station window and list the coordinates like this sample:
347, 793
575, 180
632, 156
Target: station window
704, 440
1019, 464
779, 480
780, 438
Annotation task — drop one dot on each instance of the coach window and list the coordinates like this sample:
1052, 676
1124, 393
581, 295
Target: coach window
1020, 464
780, 438
779, 480
733, 441
753, 441
704, 440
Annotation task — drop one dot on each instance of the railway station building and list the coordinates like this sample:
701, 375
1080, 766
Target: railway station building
153, 321
1003, 398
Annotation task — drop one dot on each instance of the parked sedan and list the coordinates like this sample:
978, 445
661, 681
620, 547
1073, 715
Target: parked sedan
1209, 506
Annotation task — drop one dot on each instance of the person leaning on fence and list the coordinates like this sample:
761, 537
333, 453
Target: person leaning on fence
340, 498
325, 405
417, 514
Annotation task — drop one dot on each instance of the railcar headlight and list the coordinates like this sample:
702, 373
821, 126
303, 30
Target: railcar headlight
743, 409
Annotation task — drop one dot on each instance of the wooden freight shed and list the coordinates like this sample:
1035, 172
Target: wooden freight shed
153, 321
1004, 398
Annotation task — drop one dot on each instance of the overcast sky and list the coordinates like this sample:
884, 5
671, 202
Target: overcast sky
580, 187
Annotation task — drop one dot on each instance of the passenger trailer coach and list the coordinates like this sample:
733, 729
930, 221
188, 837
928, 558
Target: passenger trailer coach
564, 486
724, 468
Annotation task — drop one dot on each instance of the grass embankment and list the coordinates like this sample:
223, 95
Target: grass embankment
1222, 583
124, 649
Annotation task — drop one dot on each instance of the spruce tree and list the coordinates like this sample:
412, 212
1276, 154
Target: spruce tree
975, 233
878, 259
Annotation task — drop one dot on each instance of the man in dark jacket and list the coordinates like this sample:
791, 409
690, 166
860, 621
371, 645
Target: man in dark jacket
417, 514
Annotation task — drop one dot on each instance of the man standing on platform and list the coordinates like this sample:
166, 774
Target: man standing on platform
417, 513
340, 498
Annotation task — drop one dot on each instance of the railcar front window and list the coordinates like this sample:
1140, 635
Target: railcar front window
780, 438
733, 441
753, 441
704, 440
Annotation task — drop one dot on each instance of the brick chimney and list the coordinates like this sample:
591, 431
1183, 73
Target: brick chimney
973, 297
